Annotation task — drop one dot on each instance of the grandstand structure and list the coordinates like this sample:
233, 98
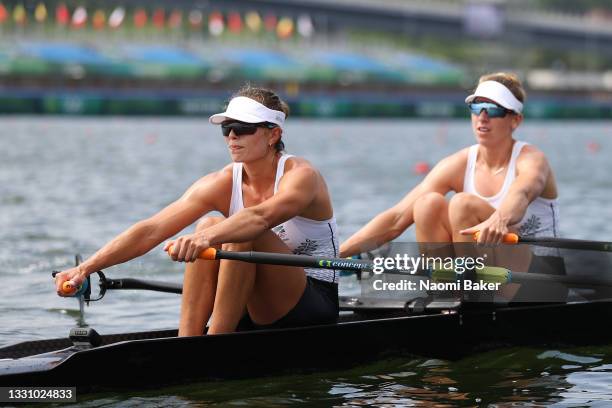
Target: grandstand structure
358, 58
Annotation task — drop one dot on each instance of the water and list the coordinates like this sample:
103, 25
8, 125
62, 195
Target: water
68, 185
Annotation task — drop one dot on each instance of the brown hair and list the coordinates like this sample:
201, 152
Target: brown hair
510, 81
270, 100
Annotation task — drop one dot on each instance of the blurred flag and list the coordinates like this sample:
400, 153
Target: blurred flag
19, 14
196, 19
62, 15
159, 18
140, 18
270, 22
3, 14
285, 27
215, 23
176, 19
253, 21
116, 18
234, 23
305, 26
40, 13
79, 17
99, 20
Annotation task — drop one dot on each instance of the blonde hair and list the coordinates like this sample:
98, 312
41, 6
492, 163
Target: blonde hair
510, 81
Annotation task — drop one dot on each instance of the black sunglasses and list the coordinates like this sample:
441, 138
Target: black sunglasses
242, 128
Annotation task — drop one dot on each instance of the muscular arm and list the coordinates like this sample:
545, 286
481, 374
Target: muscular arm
532, 172
296, 192
143, 236
390, 224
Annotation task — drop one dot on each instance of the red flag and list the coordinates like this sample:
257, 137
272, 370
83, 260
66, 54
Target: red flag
270, 22
3, 13
62, 15
159, 18
234, 23
140, 18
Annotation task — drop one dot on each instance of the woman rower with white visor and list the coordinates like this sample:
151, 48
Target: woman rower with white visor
502, 185
271, 202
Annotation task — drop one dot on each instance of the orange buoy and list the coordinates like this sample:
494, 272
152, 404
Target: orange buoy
593, 147
421, 168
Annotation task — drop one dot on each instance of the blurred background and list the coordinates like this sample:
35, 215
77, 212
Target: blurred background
342, 58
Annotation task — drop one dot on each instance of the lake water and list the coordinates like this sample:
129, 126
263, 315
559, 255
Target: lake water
68, 185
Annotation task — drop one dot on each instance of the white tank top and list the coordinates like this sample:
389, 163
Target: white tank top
302, 235
542, 215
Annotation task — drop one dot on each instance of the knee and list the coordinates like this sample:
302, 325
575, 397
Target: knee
428, 205
462, 205
207, 222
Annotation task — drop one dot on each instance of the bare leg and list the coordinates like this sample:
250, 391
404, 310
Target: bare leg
268, 291
431, 218
199, 287
433, 226
464, 211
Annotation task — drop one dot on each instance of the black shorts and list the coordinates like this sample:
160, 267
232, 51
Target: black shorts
318, 305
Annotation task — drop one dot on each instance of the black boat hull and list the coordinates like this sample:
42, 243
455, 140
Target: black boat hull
170, 360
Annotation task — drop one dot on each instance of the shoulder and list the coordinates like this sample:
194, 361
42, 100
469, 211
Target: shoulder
300, 165
300, 170
216, 183
530, 154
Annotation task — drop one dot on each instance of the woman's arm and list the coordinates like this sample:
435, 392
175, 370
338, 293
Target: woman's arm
388, 225
533, 171
297, 190
143, 236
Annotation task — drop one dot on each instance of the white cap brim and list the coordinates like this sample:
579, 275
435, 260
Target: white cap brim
248, 110
498, 93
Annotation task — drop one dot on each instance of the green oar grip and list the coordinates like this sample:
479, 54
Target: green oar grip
488, 274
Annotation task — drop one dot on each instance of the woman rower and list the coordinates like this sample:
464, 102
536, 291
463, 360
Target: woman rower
270, 201
502, 185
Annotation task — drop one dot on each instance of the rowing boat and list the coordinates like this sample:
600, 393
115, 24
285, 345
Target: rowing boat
146, 359
368, 329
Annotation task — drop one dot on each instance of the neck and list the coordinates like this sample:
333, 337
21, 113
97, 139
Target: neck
497, 156
261, 172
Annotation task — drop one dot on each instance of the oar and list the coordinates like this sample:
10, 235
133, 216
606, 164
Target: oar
488, 273
304, 261
566, 243
347, 303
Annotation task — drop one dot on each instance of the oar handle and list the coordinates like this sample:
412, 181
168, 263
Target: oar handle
209, 254
509, 238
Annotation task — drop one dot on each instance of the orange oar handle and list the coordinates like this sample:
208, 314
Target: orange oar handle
509, 238
68, 288
209, 254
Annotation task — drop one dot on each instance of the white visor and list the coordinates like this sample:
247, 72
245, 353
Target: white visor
249, 111
498, 93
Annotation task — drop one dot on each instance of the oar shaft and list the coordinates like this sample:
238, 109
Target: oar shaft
304, 261
565, 243
129, 283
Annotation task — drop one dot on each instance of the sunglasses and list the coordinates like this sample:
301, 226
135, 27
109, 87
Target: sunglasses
493, 110
241, 128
